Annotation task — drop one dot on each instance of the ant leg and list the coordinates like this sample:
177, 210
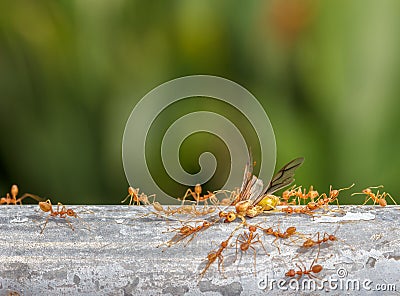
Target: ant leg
69, 223
255, 258
189, 191
366, 200
392, 199
45, 223
239, 239
153, 196
126, 199
301, 271
261, 243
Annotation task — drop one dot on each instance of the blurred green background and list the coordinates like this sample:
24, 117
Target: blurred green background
326, 72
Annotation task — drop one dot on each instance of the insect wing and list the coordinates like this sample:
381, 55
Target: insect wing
248, 172
284, 177
256, 189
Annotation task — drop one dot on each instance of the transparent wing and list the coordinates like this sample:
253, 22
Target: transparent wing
248, 172
284, 177
256, 189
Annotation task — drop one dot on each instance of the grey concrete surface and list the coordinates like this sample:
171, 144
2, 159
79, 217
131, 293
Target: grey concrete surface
113, 251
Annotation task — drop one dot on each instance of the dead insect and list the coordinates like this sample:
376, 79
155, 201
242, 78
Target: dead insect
252, 192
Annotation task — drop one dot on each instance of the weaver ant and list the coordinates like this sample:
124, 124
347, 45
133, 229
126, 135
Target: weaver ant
196, 194
186, 231
290, 231
135, 197
309, 243
61, 211
213, 255
377, 198
324, 200
297, 210
310, 272
11, 198
246, 240
184, 209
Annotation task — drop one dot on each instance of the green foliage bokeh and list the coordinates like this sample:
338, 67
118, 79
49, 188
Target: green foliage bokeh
326, 72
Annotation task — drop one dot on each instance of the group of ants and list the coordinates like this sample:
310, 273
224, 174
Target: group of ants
250, 200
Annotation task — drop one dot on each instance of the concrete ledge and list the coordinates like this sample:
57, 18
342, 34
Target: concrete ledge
119, 255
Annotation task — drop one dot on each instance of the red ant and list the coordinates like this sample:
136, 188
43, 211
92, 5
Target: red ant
309, 243
377, 198
12, 198
186, 231
213, 255
324, 200
297, 210
46, 206
246, 240
135, 197
290, 231
197, 195
310, 272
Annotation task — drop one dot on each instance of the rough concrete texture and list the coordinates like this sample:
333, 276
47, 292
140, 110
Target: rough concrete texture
119, 254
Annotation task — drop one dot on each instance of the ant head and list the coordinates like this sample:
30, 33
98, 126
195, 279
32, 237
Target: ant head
197, 189
334, 193
224, 244
367, 191
268, 230
291, 273
71, 213
252, 228
45, 206
313, 194
206, 224
289, 210
286, 194
14, 191
331, 237
231, 216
